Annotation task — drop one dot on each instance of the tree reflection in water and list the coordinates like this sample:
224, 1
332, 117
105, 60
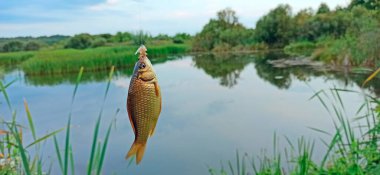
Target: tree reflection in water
226, 67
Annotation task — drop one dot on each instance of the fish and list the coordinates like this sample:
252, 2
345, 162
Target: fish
144, 104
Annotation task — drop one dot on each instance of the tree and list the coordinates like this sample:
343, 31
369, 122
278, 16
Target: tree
122, 37
106, 36
32, 46
323, 8
162, 37
224, 31
141, 37
227, 17
300, 22
369, 4
98, 42
13, 46
181, 38
81, 41
275, 28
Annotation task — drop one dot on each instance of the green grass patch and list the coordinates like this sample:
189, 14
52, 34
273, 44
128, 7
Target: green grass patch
70, 60
14, 57
304, 48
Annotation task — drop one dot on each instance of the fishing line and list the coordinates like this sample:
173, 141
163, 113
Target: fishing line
139, 22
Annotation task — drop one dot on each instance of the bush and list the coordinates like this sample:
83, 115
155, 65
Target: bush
81, 41
13, 46
223, 47
98, 42
300, 48
30, 46
178, 40
162, 37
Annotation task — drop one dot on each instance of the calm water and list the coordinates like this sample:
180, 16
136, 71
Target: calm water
212, 106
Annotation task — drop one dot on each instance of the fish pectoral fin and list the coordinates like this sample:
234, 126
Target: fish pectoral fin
156, 88
133, 126
130, 118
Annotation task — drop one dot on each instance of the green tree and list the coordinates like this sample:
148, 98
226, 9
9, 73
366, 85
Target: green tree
224, 31
276, 27
334, 24
181, 37
369, 4
141, 37
300, 21
81, 41
122, 37
13, 46
98, 42
162, 37
32, 46
227, 17
323, 8
106, 36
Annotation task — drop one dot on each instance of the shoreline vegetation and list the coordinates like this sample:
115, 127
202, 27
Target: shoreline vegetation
66, 61
343, 37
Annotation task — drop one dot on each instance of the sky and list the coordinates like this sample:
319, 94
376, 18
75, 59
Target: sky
69, 17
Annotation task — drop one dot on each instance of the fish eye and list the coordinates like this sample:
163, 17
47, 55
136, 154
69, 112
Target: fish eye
142, 65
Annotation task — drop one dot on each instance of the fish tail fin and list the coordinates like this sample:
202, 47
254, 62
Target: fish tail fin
137, 149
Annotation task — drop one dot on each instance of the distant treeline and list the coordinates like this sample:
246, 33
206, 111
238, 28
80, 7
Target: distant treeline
345, 34
84, 40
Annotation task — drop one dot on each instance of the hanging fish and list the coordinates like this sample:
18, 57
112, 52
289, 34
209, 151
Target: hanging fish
143, 103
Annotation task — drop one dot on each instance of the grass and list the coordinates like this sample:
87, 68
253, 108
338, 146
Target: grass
12, 147
14, 57
16, 154
65, 61
351, 150
304, 48
70, 60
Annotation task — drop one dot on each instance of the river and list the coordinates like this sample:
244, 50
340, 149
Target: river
213, 105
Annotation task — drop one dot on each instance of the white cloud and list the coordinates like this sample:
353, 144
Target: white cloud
109, 4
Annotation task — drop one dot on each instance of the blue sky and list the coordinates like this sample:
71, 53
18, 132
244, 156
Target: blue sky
68, 17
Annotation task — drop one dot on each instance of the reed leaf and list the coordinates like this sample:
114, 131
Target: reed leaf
30, 120
373, 75
45, 137
57, 150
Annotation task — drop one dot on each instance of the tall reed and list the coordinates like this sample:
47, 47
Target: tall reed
21, 161
351, 150
70, 60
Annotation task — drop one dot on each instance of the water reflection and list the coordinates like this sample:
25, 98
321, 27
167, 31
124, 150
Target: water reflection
94, 76
52, 80
226, 67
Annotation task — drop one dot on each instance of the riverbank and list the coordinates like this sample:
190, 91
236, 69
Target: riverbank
62, 61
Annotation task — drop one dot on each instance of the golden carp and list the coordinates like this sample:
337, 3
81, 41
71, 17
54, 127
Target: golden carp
143, 104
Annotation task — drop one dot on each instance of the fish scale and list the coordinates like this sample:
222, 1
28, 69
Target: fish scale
143, 108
